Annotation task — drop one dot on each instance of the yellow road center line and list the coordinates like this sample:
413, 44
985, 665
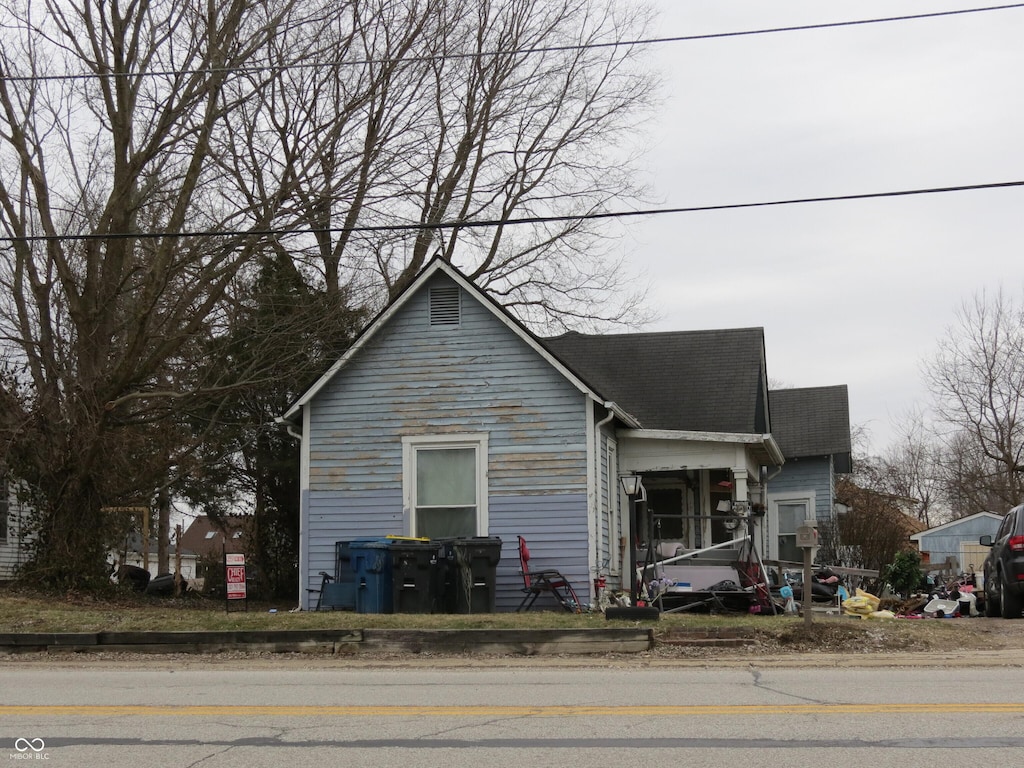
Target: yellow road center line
745, 710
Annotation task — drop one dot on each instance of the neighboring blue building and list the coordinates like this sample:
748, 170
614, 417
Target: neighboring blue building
812, 428
958, 539
447, 417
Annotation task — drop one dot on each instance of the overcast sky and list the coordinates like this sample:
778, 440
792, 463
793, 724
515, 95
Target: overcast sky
854, 293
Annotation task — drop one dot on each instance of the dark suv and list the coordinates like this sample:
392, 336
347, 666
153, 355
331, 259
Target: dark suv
1004, 567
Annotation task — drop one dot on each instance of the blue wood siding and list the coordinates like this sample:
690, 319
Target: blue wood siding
802, 475
555, 529
411, 379
343, 516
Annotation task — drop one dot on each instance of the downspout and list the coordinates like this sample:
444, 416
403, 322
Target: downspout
289, 427
595, 553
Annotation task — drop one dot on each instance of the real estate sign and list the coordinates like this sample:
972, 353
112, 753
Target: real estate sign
235, 576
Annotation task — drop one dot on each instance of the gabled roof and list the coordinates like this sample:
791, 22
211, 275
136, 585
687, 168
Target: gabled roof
813, 421
204, 536
436, 265
692, 381
698, 382
996, 519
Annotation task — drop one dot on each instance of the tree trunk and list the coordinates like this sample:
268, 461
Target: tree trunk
163, 531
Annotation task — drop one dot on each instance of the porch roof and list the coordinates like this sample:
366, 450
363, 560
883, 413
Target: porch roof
763, 446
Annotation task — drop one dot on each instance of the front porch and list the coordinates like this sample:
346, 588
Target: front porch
698, 527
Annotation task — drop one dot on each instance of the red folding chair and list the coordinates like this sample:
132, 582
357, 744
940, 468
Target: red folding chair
536, 583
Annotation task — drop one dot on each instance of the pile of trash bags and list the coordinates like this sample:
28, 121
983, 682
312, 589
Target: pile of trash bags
865, 605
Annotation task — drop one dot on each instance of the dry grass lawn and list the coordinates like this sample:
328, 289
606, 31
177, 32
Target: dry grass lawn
26, 611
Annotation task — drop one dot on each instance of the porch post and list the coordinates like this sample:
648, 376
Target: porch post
633, 487
739, 483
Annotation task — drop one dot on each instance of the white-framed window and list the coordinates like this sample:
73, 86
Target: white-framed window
445, 485
786, 514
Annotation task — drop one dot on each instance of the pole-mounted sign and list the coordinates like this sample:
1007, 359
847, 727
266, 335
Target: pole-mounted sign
234, 578
807, 540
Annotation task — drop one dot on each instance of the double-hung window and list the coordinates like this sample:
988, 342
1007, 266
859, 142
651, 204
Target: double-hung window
445, 485
788, 514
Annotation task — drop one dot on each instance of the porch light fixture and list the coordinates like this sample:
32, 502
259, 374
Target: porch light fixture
634, 489
631, 485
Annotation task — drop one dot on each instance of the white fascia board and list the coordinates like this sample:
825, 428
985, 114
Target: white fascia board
742, 438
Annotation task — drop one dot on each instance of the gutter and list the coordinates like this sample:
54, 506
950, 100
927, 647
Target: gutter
289, 426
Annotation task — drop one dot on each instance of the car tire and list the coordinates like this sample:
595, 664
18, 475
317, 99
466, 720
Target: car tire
991, 605
1010, 605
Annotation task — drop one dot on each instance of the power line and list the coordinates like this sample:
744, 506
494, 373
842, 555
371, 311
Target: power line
478, 224
522, 51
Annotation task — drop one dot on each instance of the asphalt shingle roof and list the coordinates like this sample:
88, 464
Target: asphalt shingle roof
698, 381
813, 421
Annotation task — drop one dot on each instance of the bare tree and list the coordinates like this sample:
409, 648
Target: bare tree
149, 153
910, 469
108, 113
977, 379
464, 111
873, 530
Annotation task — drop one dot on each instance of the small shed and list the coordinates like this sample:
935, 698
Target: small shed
959, 539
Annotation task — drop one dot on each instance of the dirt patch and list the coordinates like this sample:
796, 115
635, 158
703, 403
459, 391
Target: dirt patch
848, 636
835, 637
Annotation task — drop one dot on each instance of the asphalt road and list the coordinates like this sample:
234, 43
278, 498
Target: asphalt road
483, 714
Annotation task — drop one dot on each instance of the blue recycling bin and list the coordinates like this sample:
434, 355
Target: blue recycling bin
371, 563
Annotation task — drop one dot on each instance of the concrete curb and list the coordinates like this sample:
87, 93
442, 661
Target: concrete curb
532, 642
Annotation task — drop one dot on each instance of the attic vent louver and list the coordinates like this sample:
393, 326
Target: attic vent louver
445, 305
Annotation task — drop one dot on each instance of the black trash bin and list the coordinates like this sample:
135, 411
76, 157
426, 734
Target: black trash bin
414, 565
471, 572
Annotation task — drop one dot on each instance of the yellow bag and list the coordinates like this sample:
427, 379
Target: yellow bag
858, 606
869, 597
